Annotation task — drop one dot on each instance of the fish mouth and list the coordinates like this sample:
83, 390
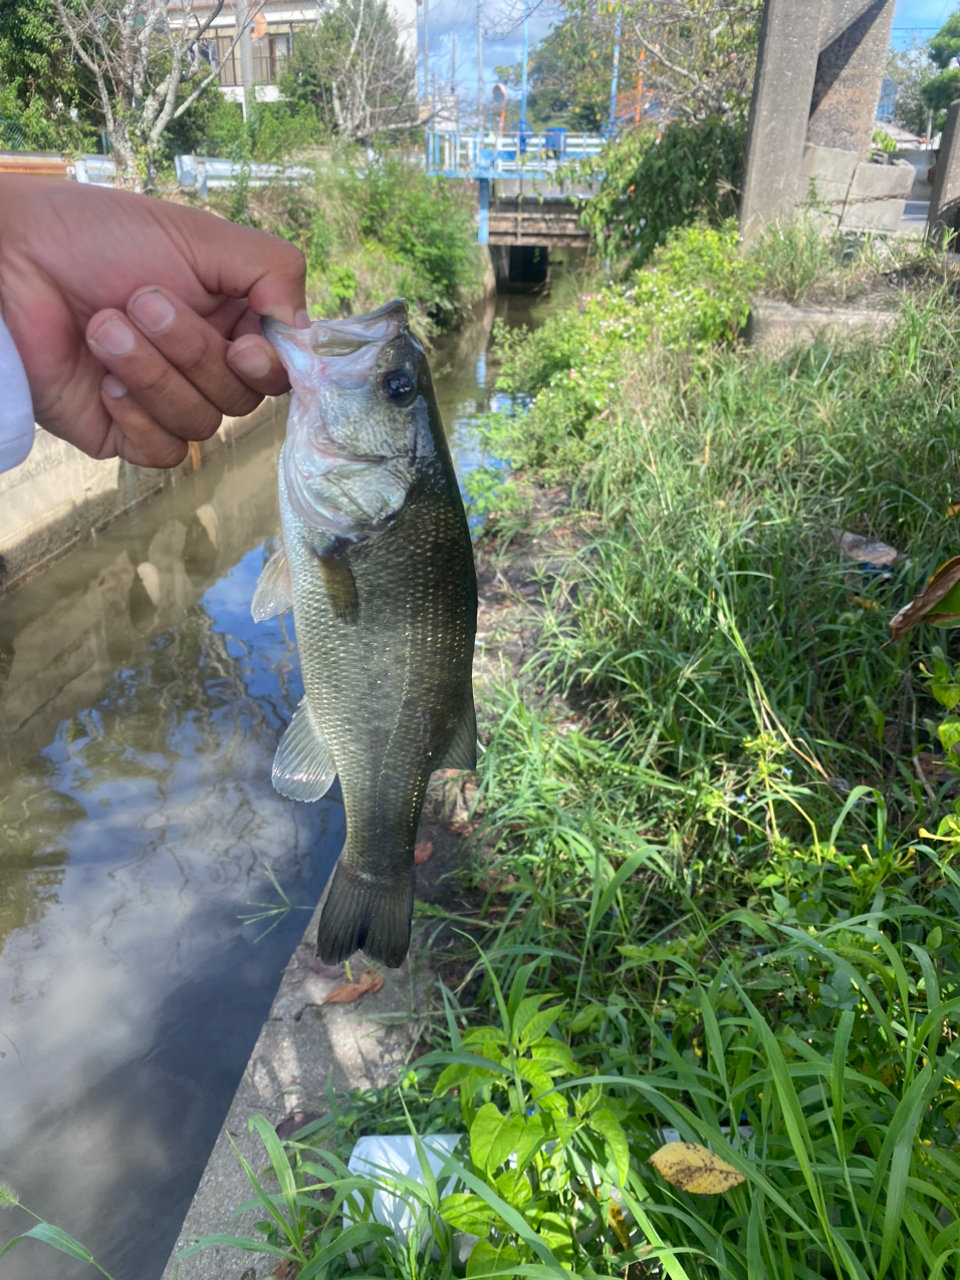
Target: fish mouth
343, 350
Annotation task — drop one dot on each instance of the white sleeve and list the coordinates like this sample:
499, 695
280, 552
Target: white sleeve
16, 409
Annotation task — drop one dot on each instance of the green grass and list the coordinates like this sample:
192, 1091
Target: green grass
714, 909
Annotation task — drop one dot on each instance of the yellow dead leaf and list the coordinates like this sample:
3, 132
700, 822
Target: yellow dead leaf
347, 992
616, 1223
938, 592
695, 1169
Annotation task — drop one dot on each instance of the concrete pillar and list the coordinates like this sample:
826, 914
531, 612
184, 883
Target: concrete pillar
782, 91
850, 71
945, 202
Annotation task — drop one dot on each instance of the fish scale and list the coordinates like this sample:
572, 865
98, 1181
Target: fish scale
385, 616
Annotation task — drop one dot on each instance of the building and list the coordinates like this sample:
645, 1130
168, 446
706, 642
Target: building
273, 31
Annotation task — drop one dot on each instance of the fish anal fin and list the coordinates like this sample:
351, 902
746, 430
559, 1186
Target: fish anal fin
303, 768
340, 583
461, 752
368, 914
274, 590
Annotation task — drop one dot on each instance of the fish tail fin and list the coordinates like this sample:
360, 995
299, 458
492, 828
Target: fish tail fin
360, 913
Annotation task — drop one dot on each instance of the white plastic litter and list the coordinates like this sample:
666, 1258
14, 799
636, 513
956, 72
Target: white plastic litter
382, 1155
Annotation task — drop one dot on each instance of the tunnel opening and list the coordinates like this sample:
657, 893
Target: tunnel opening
521, 268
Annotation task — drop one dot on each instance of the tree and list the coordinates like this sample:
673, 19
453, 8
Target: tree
354, 69
44, 95
138, 61
911, 70
568, 77
939, 92
691, 59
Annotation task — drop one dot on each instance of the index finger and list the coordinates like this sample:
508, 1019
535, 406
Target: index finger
243, 263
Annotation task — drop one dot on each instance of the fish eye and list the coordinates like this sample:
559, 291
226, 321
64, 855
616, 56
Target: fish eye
399, 386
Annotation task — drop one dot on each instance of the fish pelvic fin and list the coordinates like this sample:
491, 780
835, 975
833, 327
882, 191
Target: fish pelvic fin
303, 768
361, 913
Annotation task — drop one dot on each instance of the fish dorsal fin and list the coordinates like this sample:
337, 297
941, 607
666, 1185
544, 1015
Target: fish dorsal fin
303, 767
462, 751
274, 591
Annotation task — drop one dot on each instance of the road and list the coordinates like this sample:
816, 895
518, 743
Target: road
915, 215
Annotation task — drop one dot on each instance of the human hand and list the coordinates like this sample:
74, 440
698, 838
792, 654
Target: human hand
165, 297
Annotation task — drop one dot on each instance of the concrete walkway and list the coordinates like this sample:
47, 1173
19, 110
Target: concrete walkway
304, 1048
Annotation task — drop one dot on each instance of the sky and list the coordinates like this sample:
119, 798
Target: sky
922, 18
502, 21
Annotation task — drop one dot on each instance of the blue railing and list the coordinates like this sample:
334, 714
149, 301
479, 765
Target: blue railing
451, 154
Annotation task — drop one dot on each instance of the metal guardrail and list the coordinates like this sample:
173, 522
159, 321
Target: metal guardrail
194, 173
98, 170
450, 154
209, 173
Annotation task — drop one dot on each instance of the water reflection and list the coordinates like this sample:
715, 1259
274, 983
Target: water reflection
139, 713
139, 716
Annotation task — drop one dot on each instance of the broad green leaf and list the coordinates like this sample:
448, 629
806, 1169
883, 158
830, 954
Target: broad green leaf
535, 1075
555, 1231
494, 1137
539, 1025
554, 1055
465, 1211
514, 1186
487, 1259
948, 731
610, 1130
525, 1013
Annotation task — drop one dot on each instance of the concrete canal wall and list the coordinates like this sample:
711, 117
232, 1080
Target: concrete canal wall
59, 497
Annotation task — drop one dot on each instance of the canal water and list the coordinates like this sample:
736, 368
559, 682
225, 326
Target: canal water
140, 708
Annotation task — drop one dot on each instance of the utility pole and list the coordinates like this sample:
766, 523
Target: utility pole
246, 55
426, 51
616, 73
479, 72
526, 46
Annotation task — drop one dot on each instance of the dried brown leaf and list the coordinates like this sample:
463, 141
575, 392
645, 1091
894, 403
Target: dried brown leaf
368, 983
921, 607
422, 851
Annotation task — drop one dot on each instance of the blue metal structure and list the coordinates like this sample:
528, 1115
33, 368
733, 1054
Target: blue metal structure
520, 153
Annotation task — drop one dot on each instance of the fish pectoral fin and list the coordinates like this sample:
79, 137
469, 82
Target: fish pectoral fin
340, 583
274, 590
303, 768
461, 753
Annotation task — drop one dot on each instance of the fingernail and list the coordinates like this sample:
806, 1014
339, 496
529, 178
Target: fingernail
251, 361
113, 387
114, 337
153, 310
302, 320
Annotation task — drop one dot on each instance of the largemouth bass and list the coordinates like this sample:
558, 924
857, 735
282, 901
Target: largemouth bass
378, 567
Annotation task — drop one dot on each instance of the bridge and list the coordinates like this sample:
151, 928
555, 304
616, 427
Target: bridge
526, 196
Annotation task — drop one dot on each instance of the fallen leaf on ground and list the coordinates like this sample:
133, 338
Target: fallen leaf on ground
422, 852
941, 591
693, 1168
295, 1121
347, 992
